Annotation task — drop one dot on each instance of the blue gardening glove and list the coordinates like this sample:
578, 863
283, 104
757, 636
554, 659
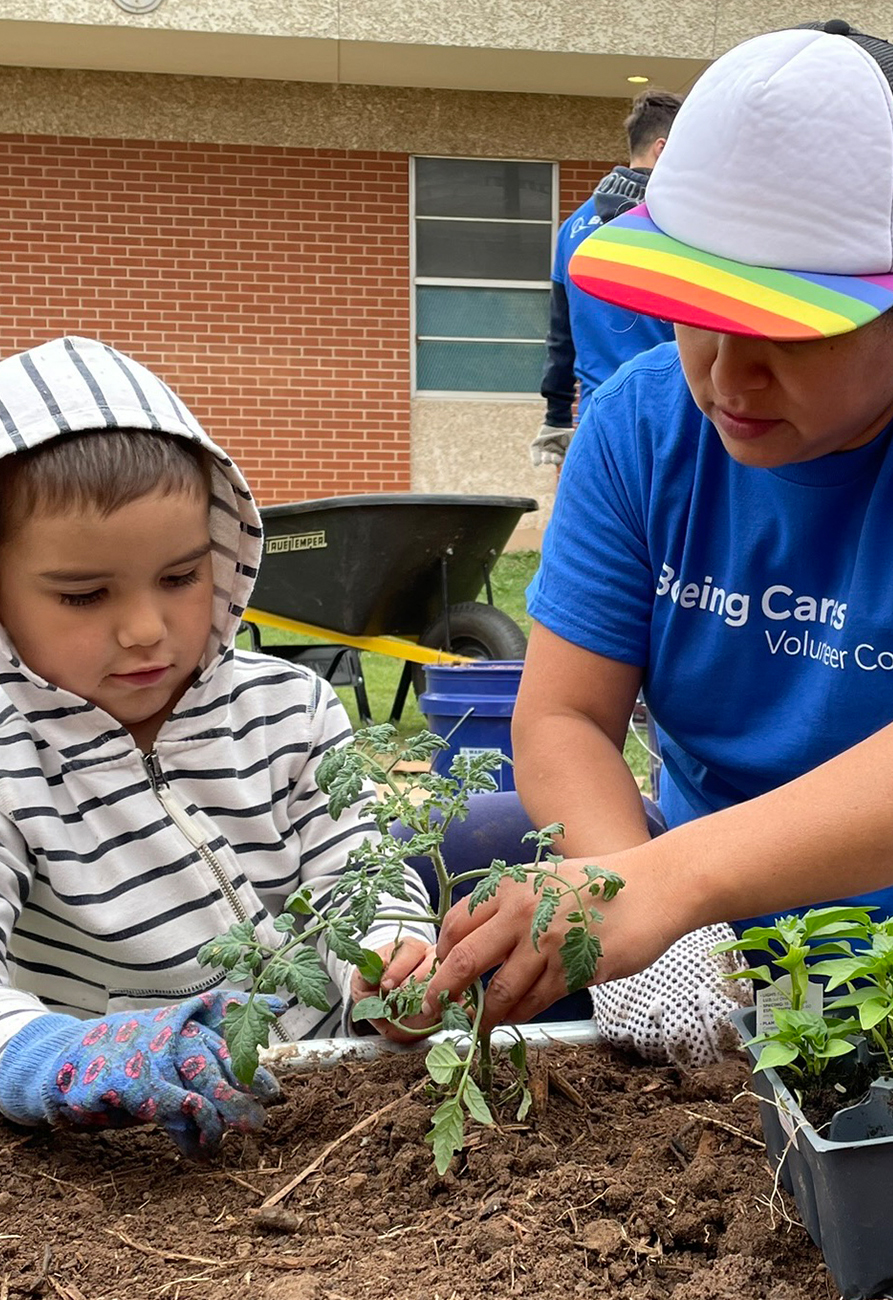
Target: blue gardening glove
168, 1066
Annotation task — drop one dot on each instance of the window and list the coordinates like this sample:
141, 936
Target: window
483, 233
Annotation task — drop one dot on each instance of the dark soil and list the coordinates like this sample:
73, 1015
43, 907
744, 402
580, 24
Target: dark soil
634, 1183
844, 1083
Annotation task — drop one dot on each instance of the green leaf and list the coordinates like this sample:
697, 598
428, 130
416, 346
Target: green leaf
284, 923
246, 1028
344, 790
228, 949
441, 1061
579, 954
873, 1011
526, 1102
518, 1055
838, 1047
307, 978
455, 1017
371, 967
339, 939
544, 914
839, 971
611, 883
299, 902
475, 1103
853, 999
371, 1008
422, 746
775, 1055
447, 1132
545, 836
487, 886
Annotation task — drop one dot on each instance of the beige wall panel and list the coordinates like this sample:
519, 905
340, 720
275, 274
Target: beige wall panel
736, 22
302, 115
244, 17
481, 447
677, 28
682, 29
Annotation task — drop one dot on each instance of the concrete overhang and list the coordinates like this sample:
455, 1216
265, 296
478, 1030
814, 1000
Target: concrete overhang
330, 58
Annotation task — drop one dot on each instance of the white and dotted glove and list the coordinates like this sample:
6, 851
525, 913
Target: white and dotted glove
549, 447
677, 1010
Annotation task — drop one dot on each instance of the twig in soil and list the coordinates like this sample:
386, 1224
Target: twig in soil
400, 1232
268, 1261
20, 1142
43, 1271
67, 1290
243, 1182
63, 1182
4, 1287
275, 1197
169, 1255
728, 1128
558, 1083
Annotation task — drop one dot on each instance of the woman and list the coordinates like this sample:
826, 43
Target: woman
722, 537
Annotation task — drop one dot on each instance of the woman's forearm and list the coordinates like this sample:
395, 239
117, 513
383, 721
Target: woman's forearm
826, 835
567, 770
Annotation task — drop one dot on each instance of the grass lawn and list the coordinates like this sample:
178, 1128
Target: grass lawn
511, 574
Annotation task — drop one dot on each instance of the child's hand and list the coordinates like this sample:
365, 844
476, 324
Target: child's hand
407, 959
169, 1066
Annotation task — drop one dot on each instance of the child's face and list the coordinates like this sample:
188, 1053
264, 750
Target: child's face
115, 609
781, 403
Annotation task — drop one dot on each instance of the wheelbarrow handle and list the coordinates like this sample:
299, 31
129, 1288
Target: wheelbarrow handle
395, 646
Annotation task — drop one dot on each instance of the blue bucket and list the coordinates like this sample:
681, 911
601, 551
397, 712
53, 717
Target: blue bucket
472, 705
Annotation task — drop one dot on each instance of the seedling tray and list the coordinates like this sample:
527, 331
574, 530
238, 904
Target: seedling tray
842, 1189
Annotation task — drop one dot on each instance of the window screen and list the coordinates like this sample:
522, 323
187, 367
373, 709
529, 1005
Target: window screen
483, 249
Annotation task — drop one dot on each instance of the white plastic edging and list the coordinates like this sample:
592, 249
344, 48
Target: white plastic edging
321, 1053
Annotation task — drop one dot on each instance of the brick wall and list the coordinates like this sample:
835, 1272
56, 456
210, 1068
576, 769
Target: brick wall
578, 180
269, 287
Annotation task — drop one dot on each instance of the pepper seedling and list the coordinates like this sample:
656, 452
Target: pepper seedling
426, 803
804, 1040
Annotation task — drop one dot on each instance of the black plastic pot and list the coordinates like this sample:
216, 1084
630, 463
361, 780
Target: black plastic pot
842, 1188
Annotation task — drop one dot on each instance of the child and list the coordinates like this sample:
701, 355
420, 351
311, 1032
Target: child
722, 536
158, 784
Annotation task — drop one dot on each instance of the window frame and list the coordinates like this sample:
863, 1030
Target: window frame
416, 281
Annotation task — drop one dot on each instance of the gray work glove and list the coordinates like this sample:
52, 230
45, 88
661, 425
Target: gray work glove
550, 445
677, 1010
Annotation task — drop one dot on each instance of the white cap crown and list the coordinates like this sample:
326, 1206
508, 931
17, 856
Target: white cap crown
782, 156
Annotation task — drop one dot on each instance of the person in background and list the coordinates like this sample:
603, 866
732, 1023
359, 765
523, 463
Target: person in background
588, 340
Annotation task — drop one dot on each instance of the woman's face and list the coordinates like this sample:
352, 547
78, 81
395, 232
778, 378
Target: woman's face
779, 403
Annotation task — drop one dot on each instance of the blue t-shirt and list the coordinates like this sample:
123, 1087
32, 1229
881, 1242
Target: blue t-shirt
759, 602
604, 336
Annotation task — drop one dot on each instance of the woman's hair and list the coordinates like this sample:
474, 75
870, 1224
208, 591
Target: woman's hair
99, 470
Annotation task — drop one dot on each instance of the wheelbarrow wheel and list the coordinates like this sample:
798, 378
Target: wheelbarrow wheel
477, 630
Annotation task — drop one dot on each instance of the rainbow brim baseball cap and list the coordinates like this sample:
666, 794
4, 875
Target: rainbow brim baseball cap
780, 157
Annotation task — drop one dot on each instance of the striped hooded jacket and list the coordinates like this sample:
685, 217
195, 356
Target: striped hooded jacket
115, 866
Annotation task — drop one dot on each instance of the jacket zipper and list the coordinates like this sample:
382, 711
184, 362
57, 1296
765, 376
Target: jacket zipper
197, 838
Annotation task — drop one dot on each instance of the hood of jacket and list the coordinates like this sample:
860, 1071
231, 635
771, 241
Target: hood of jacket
78, 385
622, 189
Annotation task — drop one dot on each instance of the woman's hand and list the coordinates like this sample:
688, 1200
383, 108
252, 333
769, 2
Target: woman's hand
409, 958
639, 925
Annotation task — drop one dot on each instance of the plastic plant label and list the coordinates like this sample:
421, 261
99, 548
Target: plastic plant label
786, 1119
474, 751
779, 995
